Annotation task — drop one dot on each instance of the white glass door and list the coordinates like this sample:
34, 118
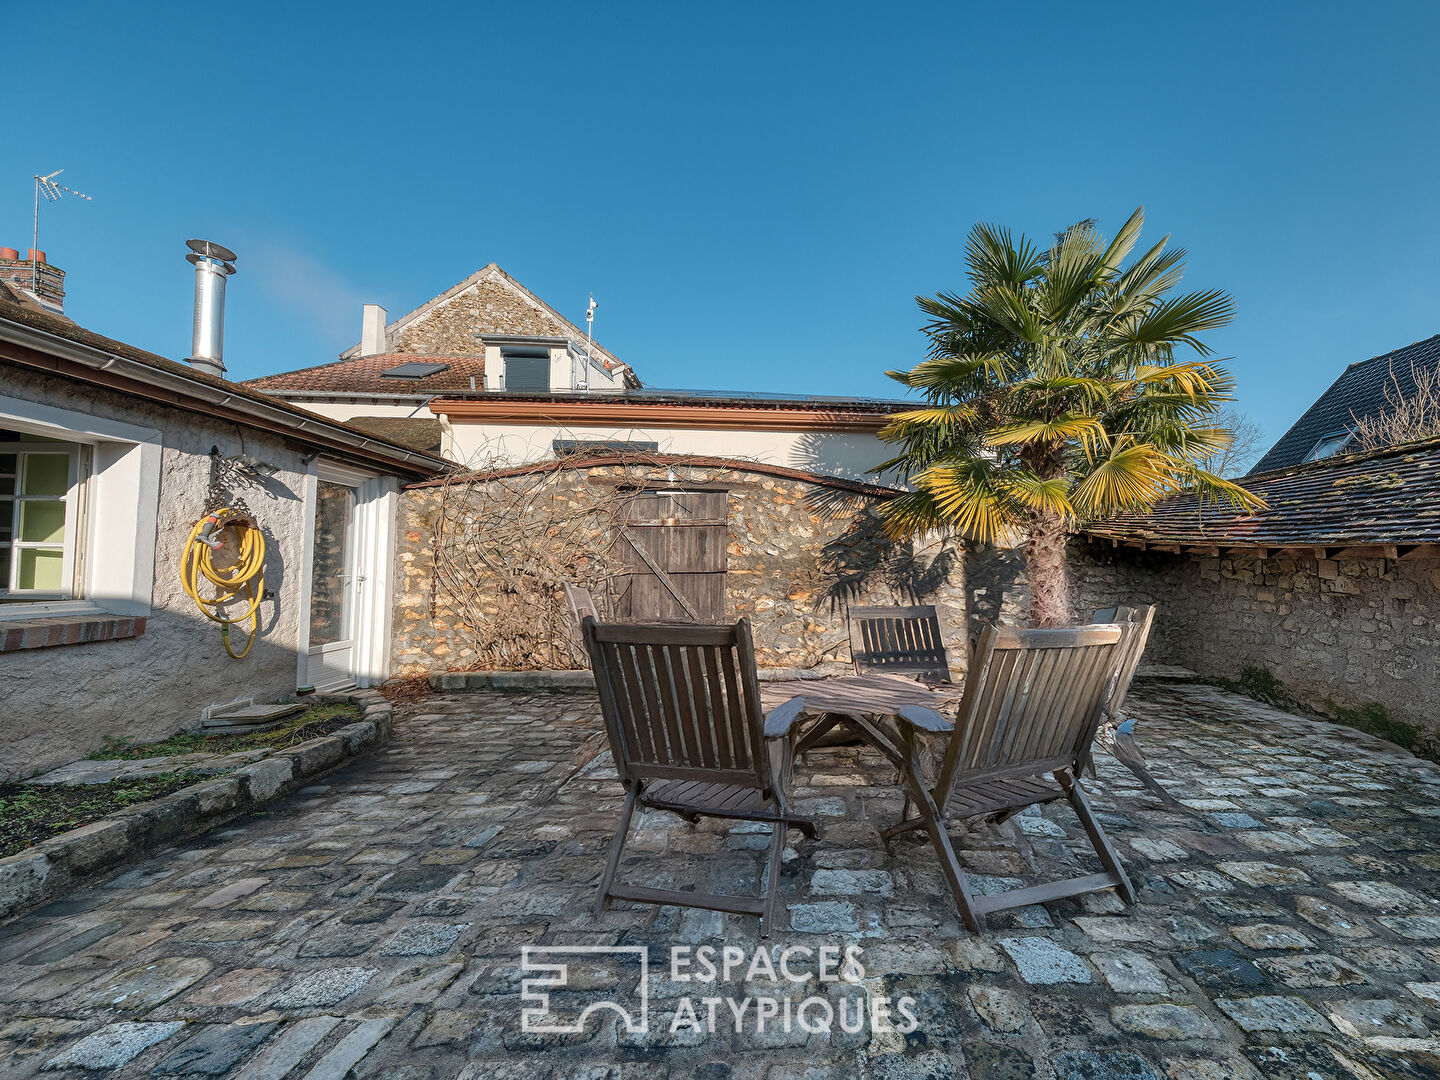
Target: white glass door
334, 587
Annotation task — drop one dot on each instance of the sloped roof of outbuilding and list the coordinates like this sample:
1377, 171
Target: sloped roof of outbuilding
1389, 496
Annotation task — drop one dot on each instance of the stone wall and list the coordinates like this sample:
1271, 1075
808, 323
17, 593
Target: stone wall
1336, 634
799, 553
487, 306
61, 703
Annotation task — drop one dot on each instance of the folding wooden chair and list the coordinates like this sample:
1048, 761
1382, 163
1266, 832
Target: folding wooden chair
1033, 700
1117, 731
898, 641
682, 711
581, 604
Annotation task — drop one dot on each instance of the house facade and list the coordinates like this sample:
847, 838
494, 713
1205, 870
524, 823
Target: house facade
109, 455
490, 376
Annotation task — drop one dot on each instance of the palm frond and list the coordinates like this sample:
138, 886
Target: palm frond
1086, 430
1181, 319
1132, 477
1124, 241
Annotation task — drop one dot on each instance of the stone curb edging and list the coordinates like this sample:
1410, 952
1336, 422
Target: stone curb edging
56, 866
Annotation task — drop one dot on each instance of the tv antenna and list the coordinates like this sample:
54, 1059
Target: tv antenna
46, 185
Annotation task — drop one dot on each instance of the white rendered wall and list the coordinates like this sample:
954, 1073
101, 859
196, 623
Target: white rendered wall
848, 454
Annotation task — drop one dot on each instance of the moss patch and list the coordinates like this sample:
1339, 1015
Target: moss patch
313, 722
1372, 719
1262, 685
30, 813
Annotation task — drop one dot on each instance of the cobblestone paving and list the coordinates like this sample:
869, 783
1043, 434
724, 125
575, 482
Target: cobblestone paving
372, 924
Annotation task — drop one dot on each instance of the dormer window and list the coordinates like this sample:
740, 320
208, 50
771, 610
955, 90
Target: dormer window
526, 369
1330, 445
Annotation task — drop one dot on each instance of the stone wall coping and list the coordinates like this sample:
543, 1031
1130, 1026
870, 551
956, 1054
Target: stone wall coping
589, 462
64, 862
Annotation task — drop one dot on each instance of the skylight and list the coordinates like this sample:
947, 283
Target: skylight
414, 370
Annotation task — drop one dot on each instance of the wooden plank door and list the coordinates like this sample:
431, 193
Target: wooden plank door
673, 545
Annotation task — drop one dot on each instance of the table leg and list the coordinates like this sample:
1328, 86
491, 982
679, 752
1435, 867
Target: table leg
816, 733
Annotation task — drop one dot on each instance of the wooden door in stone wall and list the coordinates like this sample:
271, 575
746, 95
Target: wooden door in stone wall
673, 545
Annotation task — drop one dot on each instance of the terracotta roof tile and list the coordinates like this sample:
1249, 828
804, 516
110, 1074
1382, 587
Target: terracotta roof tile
364, 375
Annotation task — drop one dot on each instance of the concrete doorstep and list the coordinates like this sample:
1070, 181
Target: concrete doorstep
58, 865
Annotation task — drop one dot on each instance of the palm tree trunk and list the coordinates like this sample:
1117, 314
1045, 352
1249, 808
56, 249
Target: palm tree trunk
1048, 570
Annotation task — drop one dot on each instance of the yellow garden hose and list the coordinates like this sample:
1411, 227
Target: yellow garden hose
247, 573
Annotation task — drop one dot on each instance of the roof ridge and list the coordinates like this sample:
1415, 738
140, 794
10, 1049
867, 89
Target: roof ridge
1392, 352
495, 272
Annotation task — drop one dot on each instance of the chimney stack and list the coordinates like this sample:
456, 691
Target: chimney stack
213, 264
34, 279
372, 331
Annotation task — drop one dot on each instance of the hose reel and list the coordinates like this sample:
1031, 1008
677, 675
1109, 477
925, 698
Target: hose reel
226, 530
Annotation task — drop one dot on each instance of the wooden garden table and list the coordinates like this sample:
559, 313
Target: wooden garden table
867, 704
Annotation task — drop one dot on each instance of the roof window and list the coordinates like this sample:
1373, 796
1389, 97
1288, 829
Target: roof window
414, 370
1330, 445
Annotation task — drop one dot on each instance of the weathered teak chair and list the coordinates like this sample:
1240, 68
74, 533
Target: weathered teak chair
1117, 730
898, 641
1033, 700
581, 604
682, 711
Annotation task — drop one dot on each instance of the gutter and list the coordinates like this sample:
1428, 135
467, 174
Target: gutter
58, 355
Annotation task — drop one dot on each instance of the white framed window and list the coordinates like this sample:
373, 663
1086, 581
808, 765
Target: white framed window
79, 512
42, 507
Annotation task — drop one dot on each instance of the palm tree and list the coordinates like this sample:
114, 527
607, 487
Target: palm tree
1055, 397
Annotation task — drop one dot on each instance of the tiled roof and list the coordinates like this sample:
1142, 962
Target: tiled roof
417, 432
362, 375
299, 418
1388, 496
1358, 392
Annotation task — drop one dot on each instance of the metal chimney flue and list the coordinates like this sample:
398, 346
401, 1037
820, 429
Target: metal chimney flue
213, 264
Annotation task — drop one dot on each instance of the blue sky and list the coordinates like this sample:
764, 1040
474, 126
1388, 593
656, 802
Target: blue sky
754, 193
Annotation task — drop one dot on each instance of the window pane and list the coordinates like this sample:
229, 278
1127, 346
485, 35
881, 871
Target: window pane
42, 522
41, 570
7, 463
4, 568
330, 570
46, 474
7, 521
7, 485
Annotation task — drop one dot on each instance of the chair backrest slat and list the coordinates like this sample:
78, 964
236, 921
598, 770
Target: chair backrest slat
898, 640
1032, 703
1138, 622
680, 702
581, 603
